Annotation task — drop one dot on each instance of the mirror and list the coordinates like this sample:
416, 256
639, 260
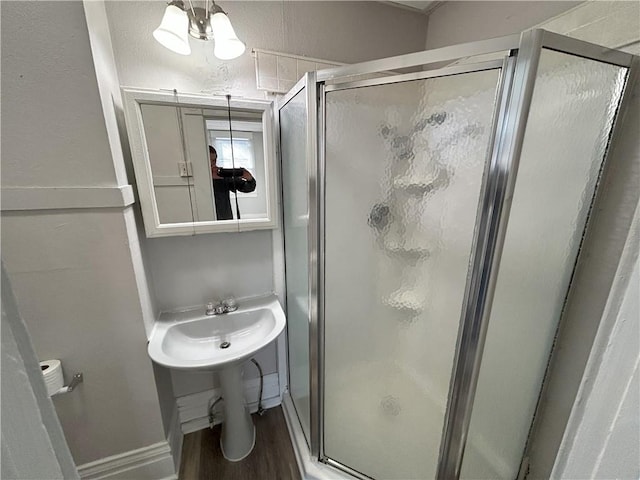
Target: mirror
201, 165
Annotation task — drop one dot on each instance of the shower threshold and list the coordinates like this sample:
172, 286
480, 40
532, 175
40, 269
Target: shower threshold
310, 468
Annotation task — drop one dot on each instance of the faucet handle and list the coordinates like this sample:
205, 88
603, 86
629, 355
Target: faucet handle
211, 309
230, 305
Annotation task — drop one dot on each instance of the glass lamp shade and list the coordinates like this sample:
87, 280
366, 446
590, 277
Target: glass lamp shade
173, 30
228, 46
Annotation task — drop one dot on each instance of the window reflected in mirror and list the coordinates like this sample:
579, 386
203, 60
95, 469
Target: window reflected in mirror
237, 172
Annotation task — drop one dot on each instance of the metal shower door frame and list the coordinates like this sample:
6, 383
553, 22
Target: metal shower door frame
308, 84
492, 224
505, 65
521, 55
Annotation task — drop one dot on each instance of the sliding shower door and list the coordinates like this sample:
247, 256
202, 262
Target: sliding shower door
405, 160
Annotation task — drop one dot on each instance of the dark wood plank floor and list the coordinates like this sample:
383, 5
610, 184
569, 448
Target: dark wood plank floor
271, 459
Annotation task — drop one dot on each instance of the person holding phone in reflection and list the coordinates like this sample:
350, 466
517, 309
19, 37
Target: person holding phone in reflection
225, 181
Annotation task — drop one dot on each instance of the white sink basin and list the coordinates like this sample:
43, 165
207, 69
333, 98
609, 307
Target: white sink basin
192, 340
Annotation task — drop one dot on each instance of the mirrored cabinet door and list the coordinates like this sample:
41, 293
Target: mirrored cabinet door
202, 165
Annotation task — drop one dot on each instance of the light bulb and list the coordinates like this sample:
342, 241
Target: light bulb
173, 30
228, 46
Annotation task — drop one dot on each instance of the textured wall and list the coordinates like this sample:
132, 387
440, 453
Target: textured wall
72, 275
346, 32
51, 101
188, 271
29, 421
342, 31
72, 270
603, 437
460, 22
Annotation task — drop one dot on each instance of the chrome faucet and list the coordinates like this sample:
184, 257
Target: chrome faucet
226, 306
211, 309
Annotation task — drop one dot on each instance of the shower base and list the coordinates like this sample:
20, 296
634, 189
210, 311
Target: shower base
382, 420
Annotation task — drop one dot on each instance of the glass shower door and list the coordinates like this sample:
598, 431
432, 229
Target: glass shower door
574, 105
405, 161
293, 144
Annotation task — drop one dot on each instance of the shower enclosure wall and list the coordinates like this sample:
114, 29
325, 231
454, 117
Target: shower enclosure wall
433, 220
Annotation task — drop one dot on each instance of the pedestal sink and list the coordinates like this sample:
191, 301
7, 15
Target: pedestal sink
191, 340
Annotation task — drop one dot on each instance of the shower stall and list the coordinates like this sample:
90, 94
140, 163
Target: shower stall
434, 206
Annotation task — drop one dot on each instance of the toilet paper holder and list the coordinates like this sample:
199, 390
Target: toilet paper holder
75, 381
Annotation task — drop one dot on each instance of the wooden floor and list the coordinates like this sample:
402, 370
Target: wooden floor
271, 458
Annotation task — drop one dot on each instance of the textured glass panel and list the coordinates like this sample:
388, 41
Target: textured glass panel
404, 166
293, 140
574, 104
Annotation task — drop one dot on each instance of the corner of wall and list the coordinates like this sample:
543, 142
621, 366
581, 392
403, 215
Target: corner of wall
111, 99
70, 259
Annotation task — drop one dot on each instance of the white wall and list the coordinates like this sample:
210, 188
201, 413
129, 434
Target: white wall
603, 436
40, 128
72, 267
73, 279
112, 106
194, 270
460, 22
29, 421
346, 32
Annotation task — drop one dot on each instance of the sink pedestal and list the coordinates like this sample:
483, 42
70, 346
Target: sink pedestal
193, 340
238, 431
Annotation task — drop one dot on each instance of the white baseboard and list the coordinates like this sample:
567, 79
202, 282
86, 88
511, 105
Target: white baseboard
193, 409
153, 462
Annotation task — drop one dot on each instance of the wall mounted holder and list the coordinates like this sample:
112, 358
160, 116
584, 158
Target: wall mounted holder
75, 381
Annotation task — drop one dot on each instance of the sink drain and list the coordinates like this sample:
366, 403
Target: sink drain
391, 405
225, 344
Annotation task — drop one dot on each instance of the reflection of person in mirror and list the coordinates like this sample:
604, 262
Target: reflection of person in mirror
226, 180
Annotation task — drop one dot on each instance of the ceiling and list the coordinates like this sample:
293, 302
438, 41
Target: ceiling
423, 6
